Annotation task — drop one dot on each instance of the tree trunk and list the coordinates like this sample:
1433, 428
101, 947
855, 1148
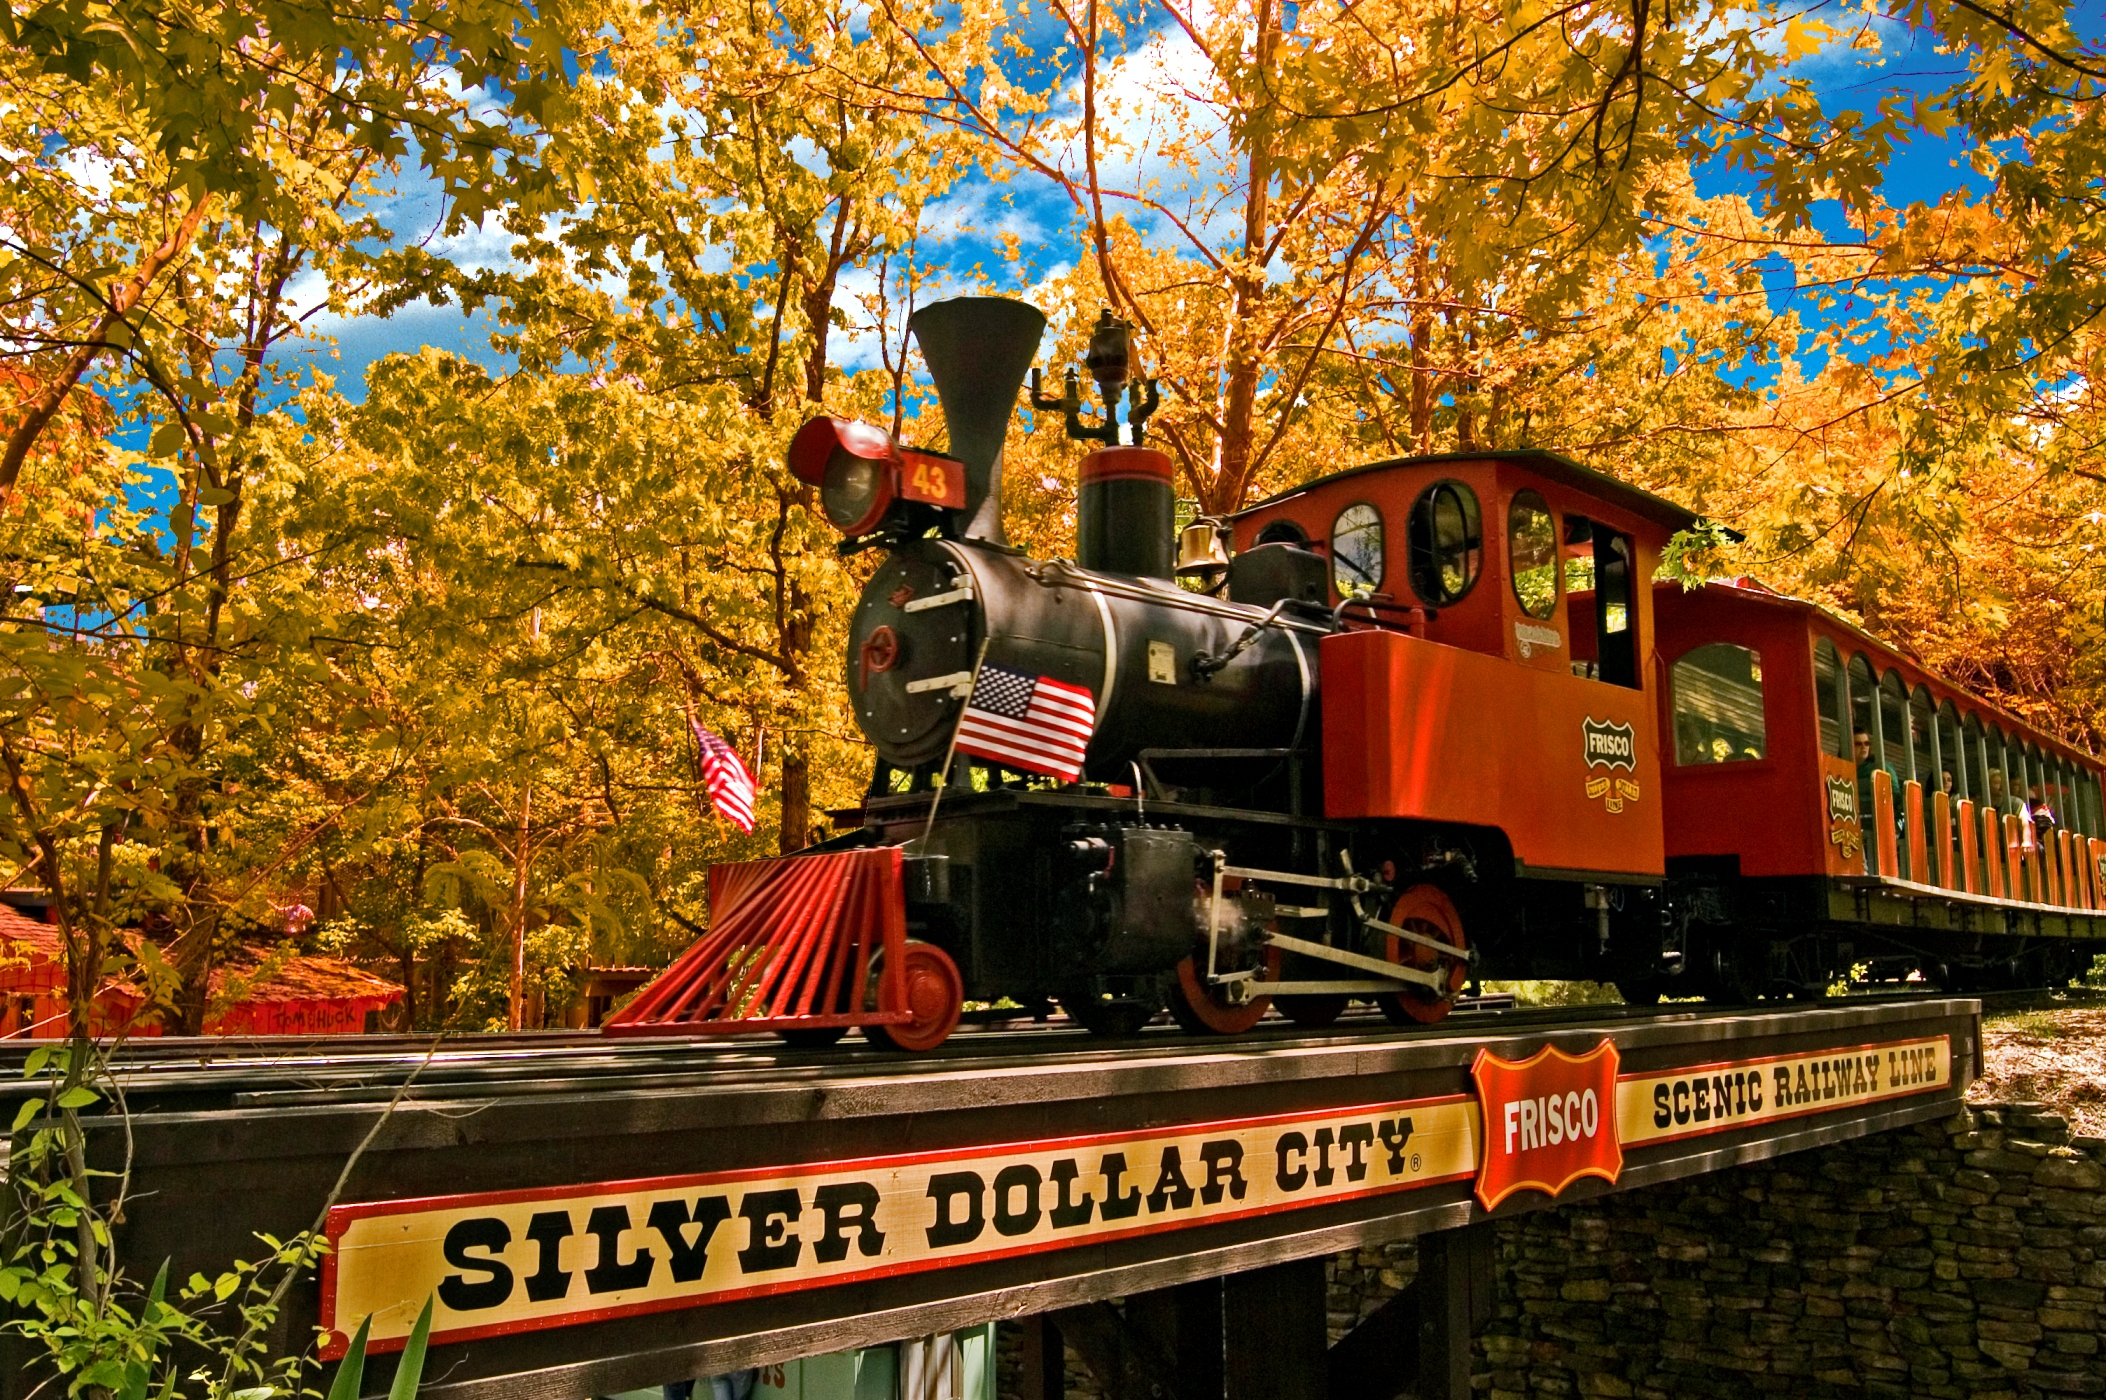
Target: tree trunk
796, 828
522, 856
1421, 353
1240, 397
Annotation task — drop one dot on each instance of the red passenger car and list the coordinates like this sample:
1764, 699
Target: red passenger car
1845, 805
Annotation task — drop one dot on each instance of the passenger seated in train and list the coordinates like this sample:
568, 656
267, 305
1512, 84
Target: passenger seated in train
1867, 816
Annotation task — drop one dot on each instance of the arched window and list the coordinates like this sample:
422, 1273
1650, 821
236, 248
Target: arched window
1863, 713
1894, 730
1999, 789
1718, 705
1922, 741
1356, 550
1952, 757
1532, 554
1447, 542
1283, 532
1977, 751
1831, 698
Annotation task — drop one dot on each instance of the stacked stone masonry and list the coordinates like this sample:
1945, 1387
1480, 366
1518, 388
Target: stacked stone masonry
1962, 1259
1965, 1259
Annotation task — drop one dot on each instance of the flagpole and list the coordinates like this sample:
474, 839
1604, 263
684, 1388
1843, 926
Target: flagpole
943, 774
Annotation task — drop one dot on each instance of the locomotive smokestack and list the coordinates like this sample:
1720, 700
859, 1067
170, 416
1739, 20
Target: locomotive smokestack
978, 350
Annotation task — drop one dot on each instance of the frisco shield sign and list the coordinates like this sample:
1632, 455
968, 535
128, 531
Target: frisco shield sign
1552, 1120
514, 1261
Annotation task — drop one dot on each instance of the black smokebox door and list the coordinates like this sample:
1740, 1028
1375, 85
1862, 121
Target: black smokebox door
891, 648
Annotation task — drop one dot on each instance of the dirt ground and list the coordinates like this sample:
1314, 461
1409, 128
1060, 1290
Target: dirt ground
2053, 1057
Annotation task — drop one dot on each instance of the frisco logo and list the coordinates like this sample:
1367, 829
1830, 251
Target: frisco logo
1551, 1121
1610, 744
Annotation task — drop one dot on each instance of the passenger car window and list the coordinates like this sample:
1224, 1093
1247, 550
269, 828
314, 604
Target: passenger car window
1447, 542
1532, 554
1952, 759
1356, 550
1718, 705
1830, 701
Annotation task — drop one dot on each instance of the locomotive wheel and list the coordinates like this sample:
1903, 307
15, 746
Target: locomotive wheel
1424, 909
1312, 1011
1200, 1010
935, 996
1108, 1015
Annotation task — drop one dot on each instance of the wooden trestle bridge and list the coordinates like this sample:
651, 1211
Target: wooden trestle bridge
590, 1216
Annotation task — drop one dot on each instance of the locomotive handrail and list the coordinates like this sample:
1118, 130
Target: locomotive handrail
1169, 595
1206, 664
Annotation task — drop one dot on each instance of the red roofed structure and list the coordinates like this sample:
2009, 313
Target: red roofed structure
296, 995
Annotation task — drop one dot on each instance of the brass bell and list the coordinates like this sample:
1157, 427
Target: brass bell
1199, 552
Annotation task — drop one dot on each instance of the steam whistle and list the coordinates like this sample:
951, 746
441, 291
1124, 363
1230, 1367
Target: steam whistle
1109, 361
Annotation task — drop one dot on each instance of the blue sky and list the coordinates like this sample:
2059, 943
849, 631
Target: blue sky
966, 225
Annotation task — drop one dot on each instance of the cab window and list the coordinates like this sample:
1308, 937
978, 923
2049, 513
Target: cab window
1532, 554
1718, 705
1447, 542
1356, 550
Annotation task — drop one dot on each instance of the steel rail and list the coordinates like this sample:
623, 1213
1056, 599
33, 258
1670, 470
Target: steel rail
206, 1073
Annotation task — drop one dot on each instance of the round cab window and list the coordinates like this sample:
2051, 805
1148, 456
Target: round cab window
1447, 542
1356, 550
1532, 553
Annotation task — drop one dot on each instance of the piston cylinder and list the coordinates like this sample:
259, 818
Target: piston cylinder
1125, 508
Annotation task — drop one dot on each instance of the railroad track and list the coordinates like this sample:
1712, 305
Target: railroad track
206, 1073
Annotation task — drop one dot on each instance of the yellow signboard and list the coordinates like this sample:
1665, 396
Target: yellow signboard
513, 1261
1719, 1098
519, 1260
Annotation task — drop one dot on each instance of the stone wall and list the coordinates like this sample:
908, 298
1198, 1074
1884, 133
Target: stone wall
1962, 1259
1965, 1258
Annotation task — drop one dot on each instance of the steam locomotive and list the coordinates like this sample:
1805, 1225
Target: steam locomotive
1410, 726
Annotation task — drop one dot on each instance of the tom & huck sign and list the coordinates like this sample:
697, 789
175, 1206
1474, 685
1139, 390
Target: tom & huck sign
514, 1261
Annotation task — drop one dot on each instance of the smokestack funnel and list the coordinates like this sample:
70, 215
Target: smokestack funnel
978, 350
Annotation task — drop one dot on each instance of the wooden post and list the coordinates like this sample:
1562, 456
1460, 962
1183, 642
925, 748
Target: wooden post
1970, 832
1993, 852
1457, 1277
2015, 856
1919, 847
1271, 1335
2072, 893
1186, 1322
1948, 871
1887, 852
1044, 1370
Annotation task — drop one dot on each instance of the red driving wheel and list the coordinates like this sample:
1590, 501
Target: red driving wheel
1424, 909
1198, 1007
935, 996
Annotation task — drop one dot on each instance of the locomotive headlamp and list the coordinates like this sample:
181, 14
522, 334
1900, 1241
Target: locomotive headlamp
862, 474
1110, 355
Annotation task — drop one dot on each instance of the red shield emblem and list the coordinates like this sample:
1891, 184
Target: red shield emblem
1548, 1121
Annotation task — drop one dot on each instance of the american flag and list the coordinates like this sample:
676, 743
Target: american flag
730, 785
1028, 722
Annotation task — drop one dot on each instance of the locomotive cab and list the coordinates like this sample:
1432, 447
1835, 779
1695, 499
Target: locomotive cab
1486, 701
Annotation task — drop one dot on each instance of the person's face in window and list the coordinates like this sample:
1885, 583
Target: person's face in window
1996, 783
1861, 745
